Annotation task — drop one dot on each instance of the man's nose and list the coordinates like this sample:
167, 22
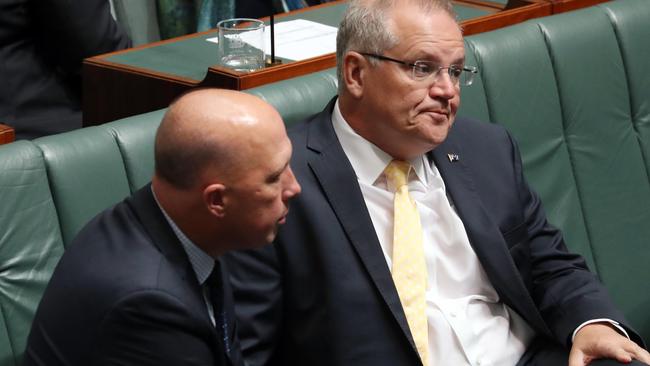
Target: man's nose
293, 187
443, 86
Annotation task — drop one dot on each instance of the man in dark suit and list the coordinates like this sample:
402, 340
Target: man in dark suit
142, 283
415, 242
42, 45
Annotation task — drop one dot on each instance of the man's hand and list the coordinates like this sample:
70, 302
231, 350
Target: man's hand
600, 340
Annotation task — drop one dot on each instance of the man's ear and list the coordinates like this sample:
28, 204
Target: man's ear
354, 69
215, 200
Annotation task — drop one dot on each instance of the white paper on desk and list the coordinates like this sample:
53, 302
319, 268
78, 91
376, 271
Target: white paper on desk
297, 39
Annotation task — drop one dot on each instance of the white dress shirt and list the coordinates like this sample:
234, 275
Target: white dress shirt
468, 324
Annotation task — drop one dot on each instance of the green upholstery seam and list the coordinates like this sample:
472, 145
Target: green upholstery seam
612, 18
544, 33
49, 187
118, 142
479, 64
9, 339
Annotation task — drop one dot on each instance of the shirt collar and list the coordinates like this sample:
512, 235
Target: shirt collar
368, 160
201, 262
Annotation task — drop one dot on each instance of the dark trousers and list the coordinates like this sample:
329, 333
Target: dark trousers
544, 353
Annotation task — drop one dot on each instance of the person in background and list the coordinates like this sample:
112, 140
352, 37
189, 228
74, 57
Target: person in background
42, 45
416, 240
142, 283
181, 17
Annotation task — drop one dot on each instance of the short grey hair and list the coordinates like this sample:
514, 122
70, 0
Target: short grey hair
364, 27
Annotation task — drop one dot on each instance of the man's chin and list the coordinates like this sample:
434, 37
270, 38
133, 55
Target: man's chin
274, 233
436, 136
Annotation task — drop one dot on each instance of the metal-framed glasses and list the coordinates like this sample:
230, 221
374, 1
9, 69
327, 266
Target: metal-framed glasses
421, 70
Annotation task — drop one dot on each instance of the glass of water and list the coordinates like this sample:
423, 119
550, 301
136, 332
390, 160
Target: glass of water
241, 44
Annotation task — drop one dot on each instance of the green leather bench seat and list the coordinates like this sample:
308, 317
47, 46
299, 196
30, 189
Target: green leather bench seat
299, 98
573, 89
30, 243
135, 138
49, 188
93, 168
86, 175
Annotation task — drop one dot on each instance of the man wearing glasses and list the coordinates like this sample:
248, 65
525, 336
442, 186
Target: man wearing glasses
416, 240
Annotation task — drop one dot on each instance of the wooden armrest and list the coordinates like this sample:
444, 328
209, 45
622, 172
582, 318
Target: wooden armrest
7, 134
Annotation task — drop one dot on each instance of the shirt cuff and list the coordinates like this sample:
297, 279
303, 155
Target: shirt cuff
616, 324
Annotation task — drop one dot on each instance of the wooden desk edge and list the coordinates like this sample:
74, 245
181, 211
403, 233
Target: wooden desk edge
7, 134
112, 91
506, 18
561, 6
225, 78
100, 63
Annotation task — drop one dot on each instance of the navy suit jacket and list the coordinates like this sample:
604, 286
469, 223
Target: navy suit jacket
125, 293
323, 293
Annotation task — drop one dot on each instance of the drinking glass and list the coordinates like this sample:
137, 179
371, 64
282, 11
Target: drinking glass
241, 44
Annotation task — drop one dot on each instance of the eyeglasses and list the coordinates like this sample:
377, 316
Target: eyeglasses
459, 75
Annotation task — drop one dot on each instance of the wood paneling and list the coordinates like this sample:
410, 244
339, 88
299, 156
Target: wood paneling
7, 134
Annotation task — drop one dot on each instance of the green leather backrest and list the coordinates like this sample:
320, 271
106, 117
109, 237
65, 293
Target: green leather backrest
633, 33
299, 97
520, 90
30, 243
135, 139
49, 189
573, 91
620, 211
86, 175
473, 102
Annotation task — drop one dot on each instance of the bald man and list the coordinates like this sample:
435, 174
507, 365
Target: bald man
142, 283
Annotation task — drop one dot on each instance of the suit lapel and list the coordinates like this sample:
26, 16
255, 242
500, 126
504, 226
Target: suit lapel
163, 237
155, 224
484, 235
332, 168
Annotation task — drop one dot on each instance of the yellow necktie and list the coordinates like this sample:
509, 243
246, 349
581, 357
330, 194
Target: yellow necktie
409, 266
